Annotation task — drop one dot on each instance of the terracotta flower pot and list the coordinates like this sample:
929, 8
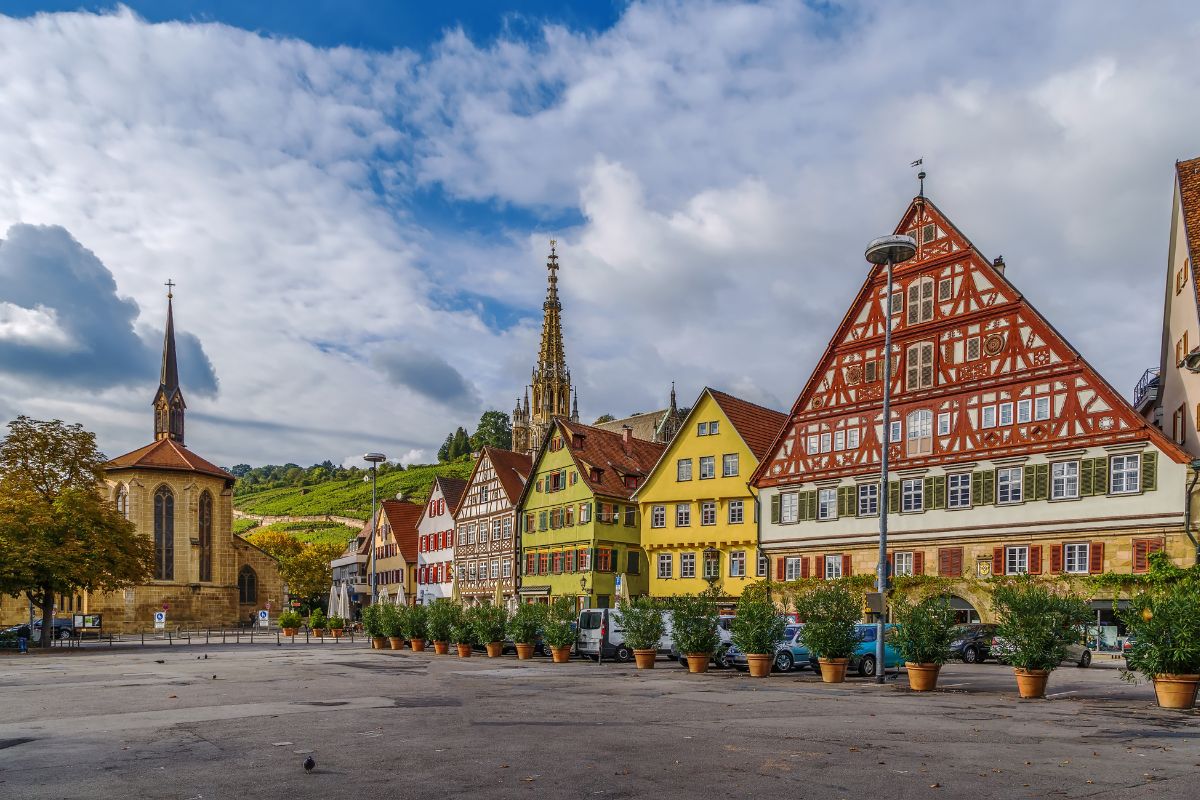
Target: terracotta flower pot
320, 632
337, 632
645, 658
922, 677
524, 651
760, 664
441, 648
561, 655
1176, 691
697, 662
1031, 683
418, 645
396, 643
495, 649
833, 670
377, 642
290, 631
464, 650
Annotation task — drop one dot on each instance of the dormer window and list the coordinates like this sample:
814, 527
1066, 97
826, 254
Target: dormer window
577, 440
596, 472
631, 482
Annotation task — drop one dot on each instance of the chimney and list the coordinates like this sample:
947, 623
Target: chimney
626, 436
998, 264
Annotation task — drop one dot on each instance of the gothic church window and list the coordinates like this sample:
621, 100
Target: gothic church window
247, 585
206, 526
164, 534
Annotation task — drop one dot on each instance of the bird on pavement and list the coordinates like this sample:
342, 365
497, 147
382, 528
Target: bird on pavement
309, 764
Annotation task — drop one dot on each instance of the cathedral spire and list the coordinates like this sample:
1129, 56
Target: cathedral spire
550, 387
552, 360
168, 400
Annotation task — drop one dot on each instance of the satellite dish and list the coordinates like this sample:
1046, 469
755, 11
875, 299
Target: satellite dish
1191, 362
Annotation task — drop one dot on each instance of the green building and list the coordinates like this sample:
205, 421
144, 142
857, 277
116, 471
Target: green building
580, 531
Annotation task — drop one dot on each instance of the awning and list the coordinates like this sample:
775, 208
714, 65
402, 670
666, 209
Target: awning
534, 590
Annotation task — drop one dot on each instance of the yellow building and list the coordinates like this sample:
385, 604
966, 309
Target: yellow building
699, 518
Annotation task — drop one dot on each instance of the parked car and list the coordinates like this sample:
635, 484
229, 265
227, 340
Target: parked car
601, 634
789, 653
1127, 648
862, 660
972, 643
1077, 654
724, 623
64, 628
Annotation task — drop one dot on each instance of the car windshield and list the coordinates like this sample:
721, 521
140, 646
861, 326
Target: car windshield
590, 620
790, 631
866, 633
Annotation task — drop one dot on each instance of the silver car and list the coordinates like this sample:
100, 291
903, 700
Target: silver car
1077, 653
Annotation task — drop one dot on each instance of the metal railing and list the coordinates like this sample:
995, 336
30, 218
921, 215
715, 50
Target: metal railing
1147, 386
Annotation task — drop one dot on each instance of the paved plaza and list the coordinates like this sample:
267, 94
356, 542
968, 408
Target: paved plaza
199, 723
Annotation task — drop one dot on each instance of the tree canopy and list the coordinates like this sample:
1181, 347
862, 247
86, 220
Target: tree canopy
304, 567
494, 430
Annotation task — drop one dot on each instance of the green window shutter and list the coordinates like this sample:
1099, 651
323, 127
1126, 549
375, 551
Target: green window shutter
802, 507
1041, 482
976, 488
894, 497
1100, 475
842, 504
775, 509
1029, 483
1149, 471
541, 520
1087, 474
927, 493
812, 505
937, 497
989, 488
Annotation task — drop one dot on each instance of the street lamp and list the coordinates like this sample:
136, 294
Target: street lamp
375, 459
887, 250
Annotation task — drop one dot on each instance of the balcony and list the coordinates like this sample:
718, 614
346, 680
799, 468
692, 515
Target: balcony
1146, 391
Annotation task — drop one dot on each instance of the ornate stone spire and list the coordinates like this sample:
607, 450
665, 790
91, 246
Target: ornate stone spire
551, 383
574, 404
552, 359
168, 400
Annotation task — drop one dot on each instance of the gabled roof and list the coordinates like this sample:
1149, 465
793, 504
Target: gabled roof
512, 469
452, 490
757, 425
167, 454
403, 516
645, 426
595, 447
1188, 174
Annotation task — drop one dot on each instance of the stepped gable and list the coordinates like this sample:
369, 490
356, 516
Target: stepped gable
512, 469
611, 455
757, 425
452, 490
963, 338
1188, 174
168, 454
403, 516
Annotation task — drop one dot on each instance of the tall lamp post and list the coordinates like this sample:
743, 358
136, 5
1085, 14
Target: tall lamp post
375, 459
889, 251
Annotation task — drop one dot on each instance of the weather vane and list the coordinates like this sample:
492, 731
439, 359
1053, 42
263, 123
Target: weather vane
920, 175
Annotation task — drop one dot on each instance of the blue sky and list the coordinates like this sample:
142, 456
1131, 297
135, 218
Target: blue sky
356, 199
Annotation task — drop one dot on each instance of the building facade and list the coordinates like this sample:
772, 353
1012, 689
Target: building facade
485, 523
652, 426
699, 516
435, 540
1010, 454
580, 527
395, 547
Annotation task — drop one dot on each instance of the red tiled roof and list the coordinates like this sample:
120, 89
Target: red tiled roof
1188, 173
612, 455
403, 517
167, 454
512, 469
452, 490
757, 425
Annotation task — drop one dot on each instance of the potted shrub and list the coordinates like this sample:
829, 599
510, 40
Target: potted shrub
757, 629
337, 626
414, 626
490, 624
830, 612
317, 622
443, 614
389, 620
559, 632
1165, 624
1036, 623
290, 622
694, 621
642, 619
373, 626
462, 632
525, 627
923, 635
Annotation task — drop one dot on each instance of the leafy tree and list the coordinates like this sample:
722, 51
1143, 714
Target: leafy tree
304, 567
461, 445
58, 535
495, 430
444, 451
604, 418
280, 545
239, 470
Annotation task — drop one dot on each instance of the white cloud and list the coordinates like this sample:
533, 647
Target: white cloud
35, 327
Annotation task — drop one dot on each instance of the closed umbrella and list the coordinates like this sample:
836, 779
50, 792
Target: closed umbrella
383, 595
623, 594
343, 610
498, 598
332, 609
401, 599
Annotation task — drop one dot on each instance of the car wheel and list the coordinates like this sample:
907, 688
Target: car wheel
64, 634
683, 661
814, 665
784, 661
970, 656
1085, 660
866, 667
624, 654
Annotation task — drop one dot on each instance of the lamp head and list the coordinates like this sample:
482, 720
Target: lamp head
896, 249
374, 458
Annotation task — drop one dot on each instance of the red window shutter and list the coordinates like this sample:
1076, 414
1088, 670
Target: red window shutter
1035, 559
944, 562
819, 566
1141, 553
956, 561
804, 567
1056, 559
846, 571
1096, 558
780, 566
918, 563
997, 560
891, 558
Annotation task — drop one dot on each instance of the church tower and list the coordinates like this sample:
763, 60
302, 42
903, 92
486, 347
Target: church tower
551, 394
168, 400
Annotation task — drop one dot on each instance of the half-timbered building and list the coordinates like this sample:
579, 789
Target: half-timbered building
1010, 454
486, 538
435, 540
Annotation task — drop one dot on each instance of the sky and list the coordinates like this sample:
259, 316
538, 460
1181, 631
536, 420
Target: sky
356, 199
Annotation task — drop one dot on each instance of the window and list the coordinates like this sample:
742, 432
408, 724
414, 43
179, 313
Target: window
683, 469
973, 348
868, 499
920, 432
585, 561
1064, 480
958, 490
483, 493
987, 417
902, 564
1024, 410
1126, 474
462, 531
1181, 349
1016, 560
896, 431
570, 515
852, 439
789, 507
1041, 408
123, 501
919, 361
1178, 420
826, 443
630, 516
471, 569
943, 424
920, 301
1006, 411
702, 429
708, 467
1009, 486
206, 538
729, 465
712, 428
912, 494
506, 527
687, 565
897, 302
683, 515
665, 563
712, 564
814, 444
658, 517
708, 513
945, 289
839, 440
164, 534
247, 585
737, 564
585, 513
1075, 558
791, 569
833, 567
827, 504
495, 570
870, 371
763, 568
506, 569
736, 513
541, 525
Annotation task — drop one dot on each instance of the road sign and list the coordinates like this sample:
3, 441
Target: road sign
264, 618
618, 583
160, 620
166, 606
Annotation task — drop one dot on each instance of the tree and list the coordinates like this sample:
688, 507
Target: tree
58, 534
444, 450
460, 445
308, 574
604, 418
239, 470
280, 545
495, 430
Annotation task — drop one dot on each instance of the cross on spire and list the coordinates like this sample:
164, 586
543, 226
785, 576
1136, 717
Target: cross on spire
170, 284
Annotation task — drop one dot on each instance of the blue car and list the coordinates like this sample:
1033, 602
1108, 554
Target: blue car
862, 659
789, 653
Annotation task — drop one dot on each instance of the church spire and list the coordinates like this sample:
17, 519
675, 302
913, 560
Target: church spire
168, 400
551, 380
552, 360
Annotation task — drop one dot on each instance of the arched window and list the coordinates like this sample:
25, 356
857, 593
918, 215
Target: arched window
164, 534
247, 585
920, 432
122, 500
206, 524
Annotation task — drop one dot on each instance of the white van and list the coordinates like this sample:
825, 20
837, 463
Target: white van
600, 633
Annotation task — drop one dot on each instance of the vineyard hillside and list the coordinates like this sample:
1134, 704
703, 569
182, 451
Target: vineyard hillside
307, 532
